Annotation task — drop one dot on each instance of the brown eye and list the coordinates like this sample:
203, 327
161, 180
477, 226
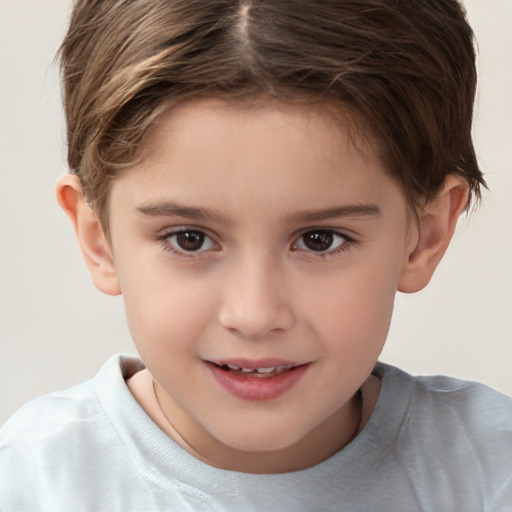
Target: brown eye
320, 240
191, 240
187, 242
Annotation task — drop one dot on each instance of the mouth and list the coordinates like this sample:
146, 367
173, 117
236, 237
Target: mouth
257, 380
263, 372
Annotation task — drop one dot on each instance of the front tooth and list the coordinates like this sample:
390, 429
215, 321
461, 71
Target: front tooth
234, 367
265, 370
246, 370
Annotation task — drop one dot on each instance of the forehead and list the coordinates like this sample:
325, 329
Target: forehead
274, 112
264, 150
336, 131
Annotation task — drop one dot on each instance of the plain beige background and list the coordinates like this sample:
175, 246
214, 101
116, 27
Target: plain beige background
56, 329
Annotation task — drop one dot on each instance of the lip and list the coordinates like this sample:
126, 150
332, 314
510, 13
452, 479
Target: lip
255, 363
257, 388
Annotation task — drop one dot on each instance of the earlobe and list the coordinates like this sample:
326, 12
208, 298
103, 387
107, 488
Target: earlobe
437, 222
89, 232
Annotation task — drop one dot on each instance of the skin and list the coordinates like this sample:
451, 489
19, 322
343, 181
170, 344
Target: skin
256, 182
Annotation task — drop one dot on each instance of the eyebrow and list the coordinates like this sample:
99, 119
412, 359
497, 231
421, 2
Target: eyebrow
351, 210
172, 209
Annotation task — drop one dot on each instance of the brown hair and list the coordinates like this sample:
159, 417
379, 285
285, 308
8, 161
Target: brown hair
407, 68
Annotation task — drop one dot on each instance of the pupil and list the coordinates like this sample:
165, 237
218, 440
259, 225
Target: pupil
190, 240
318, 240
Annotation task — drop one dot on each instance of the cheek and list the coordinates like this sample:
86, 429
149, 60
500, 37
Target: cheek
162, 308
361, 317
354, 311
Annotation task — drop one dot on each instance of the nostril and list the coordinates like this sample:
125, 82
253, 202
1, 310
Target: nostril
256, 324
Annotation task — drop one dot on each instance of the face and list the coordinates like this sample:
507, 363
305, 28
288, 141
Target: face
258, 251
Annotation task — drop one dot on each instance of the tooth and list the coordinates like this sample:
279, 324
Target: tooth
265, 370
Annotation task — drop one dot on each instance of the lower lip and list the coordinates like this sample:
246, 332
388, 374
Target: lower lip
257, 388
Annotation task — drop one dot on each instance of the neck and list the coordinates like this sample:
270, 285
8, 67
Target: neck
321, 443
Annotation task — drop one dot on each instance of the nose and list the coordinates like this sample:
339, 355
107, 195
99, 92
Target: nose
255, 301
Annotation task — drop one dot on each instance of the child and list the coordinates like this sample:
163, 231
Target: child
258, 179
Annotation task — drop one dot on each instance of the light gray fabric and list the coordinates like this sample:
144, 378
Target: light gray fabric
432, 444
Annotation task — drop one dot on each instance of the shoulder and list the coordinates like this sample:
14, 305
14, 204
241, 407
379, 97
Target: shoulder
77, 410
50, 413
479, 417
476, 408
455, 431
57, 437
37, 439
478, 403
451, 404
54, 412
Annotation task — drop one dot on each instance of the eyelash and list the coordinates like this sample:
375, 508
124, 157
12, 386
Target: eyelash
165, 241
345, 245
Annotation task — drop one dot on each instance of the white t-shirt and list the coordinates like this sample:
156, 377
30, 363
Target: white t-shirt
431, 444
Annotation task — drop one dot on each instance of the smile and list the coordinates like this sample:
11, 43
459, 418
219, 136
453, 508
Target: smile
257, 372
257, 382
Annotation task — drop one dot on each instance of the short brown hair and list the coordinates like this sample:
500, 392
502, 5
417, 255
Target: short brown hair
407, 68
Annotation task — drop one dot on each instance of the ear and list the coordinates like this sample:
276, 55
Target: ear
89, 232
437, 222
